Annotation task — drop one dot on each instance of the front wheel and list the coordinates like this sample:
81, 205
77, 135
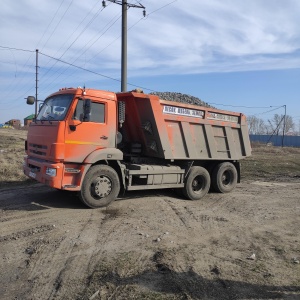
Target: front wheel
197, 183
100, 186
224, 177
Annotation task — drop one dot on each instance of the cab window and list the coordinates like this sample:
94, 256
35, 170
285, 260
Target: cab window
97, 112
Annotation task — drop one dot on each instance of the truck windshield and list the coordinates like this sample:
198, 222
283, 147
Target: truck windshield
55, 108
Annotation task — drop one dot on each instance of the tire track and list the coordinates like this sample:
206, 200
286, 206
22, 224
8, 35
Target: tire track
179, 214
73, 271
192, 217
53, 263
26, 233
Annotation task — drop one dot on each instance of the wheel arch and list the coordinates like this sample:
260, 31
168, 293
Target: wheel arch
117, 166
103, 155
110, 157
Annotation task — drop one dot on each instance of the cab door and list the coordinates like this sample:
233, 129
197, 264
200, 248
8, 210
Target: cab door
84, 137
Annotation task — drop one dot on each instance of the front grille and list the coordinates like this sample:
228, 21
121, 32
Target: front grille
34, 168
38, 149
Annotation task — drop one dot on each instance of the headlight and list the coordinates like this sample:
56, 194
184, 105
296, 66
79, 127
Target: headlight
51, 172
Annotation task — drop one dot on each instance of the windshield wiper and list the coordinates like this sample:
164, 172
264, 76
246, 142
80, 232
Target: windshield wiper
48, 118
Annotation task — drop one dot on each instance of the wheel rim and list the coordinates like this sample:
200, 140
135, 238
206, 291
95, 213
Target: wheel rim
226, 178
101, 187
198, 184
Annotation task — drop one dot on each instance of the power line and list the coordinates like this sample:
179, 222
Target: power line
19, 80
108, 77
143, 18
93, 72
58, 23
53, 31
130, 29
145, 88
50, 25
125, 6
111, 23
49, 36
241, 105
265, 112
76, 39
6, 62
78, 67
87, 48
9, 89
16, 49
161, 7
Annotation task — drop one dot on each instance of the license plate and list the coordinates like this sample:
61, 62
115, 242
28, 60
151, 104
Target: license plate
32, 175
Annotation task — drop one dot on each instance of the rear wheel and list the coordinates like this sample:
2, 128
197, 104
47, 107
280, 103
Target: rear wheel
197, 183
100, 186
224, 177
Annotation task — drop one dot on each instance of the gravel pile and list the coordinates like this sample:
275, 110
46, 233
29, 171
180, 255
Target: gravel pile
178, 97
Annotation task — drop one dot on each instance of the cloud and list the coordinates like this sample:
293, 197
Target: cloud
185, 37
211, 35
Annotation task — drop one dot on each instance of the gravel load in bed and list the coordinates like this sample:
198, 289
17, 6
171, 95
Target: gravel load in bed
179, 97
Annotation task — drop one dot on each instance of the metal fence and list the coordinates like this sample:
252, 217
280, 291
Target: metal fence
276, 140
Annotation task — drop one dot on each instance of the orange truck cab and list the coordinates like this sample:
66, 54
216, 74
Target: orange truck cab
97, 143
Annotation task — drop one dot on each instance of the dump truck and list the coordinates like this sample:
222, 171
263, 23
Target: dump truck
100, 144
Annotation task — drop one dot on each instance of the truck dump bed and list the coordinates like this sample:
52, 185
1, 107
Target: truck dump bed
178, 131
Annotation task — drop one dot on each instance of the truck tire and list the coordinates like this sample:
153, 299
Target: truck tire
224, 177
197, 183
100, 186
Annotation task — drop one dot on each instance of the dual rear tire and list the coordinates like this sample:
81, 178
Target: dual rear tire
223, 179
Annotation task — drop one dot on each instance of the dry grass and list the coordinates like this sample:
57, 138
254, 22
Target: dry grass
268, 162
12, 156
273, 163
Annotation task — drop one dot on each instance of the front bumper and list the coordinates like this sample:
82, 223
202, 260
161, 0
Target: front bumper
36, 169
66, 177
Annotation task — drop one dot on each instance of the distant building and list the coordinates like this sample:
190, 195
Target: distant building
28, 120
13, 123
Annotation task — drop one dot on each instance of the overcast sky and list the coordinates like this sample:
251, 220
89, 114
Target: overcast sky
241, 55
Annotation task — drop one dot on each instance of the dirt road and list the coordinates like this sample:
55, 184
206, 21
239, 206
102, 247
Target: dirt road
242, 245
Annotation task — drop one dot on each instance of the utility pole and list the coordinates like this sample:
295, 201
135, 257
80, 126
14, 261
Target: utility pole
284, 121
36, 79
125, 6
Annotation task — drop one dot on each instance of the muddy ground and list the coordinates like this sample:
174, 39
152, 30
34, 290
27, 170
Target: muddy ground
152, 245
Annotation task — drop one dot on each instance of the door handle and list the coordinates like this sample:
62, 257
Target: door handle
104, 137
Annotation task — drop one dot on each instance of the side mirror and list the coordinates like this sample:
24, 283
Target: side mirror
87, 108
30, 100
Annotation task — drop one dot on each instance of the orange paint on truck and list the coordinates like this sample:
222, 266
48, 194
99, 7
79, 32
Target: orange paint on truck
97, 143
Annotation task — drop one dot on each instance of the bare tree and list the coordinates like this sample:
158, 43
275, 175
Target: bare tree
256, 125
277, 123
289, 124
